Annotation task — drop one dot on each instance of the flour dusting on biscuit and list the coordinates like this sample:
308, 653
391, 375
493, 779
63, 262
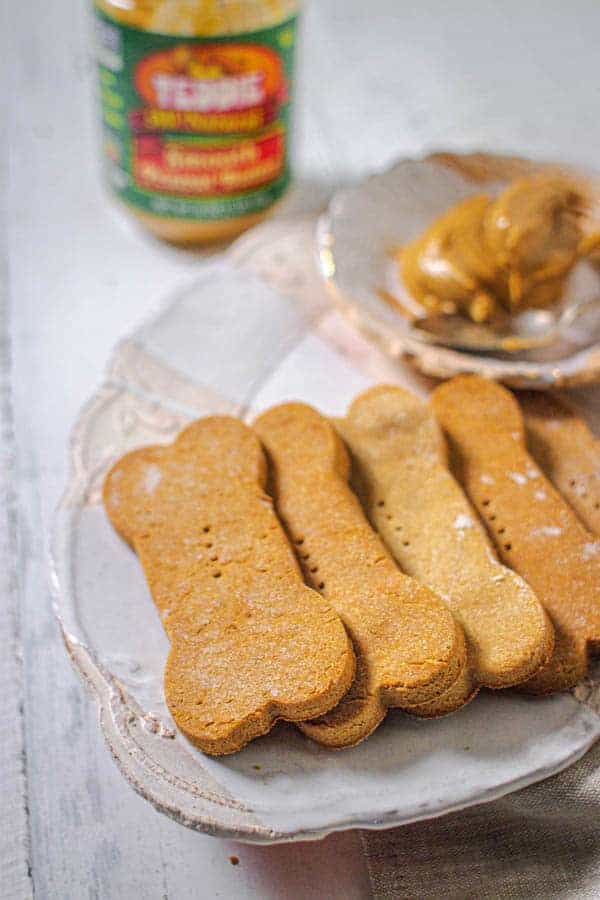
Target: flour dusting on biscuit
250, 642
534, 529
401, 473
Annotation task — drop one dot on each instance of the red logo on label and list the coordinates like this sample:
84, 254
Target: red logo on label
210, 88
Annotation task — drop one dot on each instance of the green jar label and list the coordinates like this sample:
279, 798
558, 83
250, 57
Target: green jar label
196, 128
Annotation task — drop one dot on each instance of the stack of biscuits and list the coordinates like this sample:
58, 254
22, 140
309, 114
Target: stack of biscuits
407, 555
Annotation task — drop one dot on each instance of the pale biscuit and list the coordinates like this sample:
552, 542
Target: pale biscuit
250, 643
401, 473
409, 648
565, 448
535, 531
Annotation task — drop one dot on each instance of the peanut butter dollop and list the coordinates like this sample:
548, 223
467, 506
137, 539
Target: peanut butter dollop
485, 254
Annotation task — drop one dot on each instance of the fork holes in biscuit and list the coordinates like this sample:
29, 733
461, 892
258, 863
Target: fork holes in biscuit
501, 530
321, 585
596, 505
492, 518
313, 569
299, 541
508, 546
572, 482
206, 529
486, 502
217, 574
406, 543
381, 503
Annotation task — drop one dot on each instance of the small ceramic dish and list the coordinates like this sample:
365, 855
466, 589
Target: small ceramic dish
270, 336
364, 227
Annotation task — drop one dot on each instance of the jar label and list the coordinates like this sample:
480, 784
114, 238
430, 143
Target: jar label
196, 128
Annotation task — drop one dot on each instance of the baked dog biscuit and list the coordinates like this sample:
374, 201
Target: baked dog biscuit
250, 643
567, 451
535, 531
409, 649
400, 471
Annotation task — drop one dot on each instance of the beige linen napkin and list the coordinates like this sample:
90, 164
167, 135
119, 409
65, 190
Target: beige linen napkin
542, 842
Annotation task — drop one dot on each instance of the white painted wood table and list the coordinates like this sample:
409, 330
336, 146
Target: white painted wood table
377, 80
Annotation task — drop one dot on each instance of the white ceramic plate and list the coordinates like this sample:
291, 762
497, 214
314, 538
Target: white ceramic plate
233, 344
364, 227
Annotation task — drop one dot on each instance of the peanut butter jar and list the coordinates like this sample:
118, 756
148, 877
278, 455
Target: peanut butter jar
195, 98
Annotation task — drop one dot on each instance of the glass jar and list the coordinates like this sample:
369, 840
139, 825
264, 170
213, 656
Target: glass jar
195, 98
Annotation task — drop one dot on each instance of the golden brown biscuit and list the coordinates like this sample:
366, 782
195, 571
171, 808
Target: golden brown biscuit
401, 474
409, 648
250, 643
534, 530
565, 448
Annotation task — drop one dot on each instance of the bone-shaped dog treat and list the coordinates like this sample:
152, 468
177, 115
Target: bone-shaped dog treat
400, 471
567, 451
409, 648
535, 531
250, 643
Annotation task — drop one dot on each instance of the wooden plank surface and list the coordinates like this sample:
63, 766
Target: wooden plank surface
15, 856
377, 81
